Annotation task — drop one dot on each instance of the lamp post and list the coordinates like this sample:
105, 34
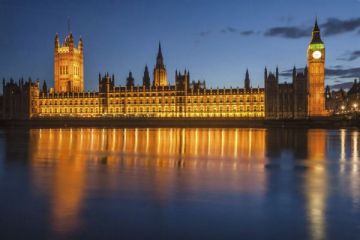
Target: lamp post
355, 105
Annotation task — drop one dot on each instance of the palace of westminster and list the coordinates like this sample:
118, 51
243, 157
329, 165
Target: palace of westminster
303, 98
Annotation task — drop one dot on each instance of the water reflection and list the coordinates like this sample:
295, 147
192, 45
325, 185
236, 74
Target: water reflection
69, 153
239, 169
316, 184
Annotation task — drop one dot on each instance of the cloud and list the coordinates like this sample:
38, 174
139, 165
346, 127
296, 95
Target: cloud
237, 31
229, 29
288, 32
343, 73
335, 72
247, 33
350, 56
331, 27
334, 26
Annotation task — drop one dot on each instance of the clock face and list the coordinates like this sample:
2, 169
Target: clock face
316, 54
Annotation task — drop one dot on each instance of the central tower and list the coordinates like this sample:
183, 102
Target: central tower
160, 78
68, 65
316, 74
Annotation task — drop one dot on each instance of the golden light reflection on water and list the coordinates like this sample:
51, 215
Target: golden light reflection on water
349, 163
198, 159
316, 183
69, 153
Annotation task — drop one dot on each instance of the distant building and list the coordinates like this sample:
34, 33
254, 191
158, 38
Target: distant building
341, 101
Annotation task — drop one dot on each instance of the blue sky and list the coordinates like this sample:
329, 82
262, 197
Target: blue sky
216, 40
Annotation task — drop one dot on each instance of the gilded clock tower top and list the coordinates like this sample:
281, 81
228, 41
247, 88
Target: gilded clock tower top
316, 42
316, 38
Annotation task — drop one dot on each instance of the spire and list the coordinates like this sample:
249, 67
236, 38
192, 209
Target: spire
316, 36
130, 80
159, 59
265, 74
44, 87
160, 52
277, 73
81, 43
57, 41
294, 73
146, 77
316, 26
247, 80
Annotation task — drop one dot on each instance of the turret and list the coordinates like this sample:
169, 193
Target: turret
146, 77
265, 74
247, 80
294, 74
44, 87
81, 44
70, 41
327, 91
130, 80
57, 42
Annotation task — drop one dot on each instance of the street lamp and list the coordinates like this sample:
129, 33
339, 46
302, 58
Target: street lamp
355, 106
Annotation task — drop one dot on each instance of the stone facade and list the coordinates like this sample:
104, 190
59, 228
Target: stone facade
68, 65
286, 100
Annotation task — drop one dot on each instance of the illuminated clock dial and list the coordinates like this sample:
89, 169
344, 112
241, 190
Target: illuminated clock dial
316, 54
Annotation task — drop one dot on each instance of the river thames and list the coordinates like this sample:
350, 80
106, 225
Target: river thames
179, 183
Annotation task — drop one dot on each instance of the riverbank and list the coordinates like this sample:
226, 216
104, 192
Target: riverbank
185, 122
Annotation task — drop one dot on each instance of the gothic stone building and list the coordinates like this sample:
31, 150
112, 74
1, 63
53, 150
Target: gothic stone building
305, 96
159, 100
286, 100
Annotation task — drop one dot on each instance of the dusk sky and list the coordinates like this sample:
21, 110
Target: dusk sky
216, 40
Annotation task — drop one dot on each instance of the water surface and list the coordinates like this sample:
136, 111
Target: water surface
179, 184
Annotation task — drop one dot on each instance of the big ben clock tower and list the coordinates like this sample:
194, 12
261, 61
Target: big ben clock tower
316, 74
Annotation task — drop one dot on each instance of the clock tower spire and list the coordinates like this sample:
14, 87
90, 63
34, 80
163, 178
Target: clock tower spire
316, 74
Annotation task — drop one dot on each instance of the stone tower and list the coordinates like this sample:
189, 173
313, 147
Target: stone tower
316, 74
68, 65
160, 77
